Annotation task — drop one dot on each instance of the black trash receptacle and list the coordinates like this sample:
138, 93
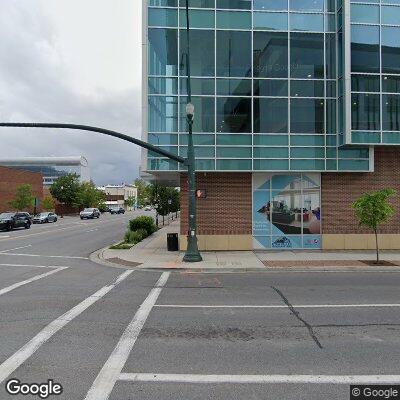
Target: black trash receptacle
172, 242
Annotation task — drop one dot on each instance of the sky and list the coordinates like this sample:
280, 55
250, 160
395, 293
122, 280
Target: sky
72, 61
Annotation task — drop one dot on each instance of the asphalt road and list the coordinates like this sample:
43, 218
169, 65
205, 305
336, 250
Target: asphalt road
107, 333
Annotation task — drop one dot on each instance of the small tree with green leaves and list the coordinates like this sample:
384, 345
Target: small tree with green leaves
48, 203
373, 209
23, 198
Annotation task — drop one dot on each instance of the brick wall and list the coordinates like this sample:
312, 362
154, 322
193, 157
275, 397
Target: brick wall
340, 190
227, 208
11, 178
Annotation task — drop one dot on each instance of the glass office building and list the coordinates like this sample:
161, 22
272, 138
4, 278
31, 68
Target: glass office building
285, 91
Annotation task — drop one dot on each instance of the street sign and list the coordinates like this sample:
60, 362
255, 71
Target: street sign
169, 201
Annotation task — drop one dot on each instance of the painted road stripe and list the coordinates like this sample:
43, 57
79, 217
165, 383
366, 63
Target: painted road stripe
30, 265
305, 379
280, 306
18, 358
109, 374
15, 248
44, 256
25, 282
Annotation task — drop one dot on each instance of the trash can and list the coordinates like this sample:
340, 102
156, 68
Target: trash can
172, 242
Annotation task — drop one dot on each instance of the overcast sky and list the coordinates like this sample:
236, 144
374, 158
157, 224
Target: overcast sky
75, 61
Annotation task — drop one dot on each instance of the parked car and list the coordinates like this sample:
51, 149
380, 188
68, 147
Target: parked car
147, 208
90, 213
12, 220
117, 210
44, 217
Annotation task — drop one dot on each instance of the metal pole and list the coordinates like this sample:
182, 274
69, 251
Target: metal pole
192, 253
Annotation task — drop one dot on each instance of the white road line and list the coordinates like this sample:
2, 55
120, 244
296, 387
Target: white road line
15, 248
25, 282
280, 306
109, 374
257, 379
18, 358
29, 265
44, 256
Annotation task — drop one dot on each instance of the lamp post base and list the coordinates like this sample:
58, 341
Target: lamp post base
192, 253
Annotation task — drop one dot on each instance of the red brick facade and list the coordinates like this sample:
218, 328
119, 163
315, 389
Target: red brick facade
11, 178
339, 190
227, 208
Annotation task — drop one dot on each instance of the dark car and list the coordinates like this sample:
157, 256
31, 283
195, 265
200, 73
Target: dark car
90, 213
117, 210
12, 220
44, 217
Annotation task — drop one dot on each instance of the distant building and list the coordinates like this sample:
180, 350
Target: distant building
11, 178
51, 167
116, 195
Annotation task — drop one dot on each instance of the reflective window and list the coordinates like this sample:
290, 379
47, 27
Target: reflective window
234, 152
391, 112
233, 165
307, 88
330, 54
163, 114
270, 21
307, 22
270, 54
307, 55
270, 140
233, 60
234, 115
236, 139
201, 55
307, 116
204, 107
390, 50
233, 20
365, 83
307, 5
199, 86
198, 140
167, 86
270, 87
198, 19
162, 17
163, 3
390, 15
198, 3
162, 139
234, 4
307, 140
270, 152
279, 5
391, 84
365, 13
365, 111
270, 115
163, 52
271, 165
365, 48
234, 87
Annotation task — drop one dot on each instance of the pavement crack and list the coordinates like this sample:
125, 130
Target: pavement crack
297, 315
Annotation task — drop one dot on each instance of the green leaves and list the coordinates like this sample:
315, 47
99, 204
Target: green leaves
23, 198
373, 209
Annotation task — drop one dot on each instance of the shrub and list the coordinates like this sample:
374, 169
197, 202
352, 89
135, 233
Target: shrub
121, 246
143, 222
143, 233
133, 236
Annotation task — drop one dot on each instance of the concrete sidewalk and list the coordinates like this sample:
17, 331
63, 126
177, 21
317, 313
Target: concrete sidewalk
152, 253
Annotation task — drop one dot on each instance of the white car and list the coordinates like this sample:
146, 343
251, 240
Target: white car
90, 213
147, 208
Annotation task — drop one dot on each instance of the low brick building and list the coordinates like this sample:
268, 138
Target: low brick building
11, 178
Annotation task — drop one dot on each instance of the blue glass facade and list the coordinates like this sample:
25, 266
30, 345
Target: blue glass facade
268, 81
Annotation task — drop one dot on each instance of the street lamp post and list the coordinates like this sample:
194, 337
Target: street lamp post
192, 253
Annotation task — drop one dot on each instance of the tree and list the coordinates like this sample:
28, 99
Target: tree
88, 196
65, 189
48, 203
373, 209
23, 198
161, 194
143, 191
130, 201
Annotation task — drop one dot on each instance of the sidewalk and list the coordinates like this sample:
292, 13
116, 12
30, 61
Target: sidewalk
152, 253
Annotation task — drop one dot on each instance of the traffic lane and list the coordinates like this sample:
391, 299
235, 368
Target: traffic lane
254, 341
75, 355
26, 310
76, 240
173, 391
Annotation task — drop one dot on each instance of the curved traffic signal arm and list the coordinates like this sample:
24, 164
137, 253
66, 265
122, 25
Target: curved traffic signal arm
107, 132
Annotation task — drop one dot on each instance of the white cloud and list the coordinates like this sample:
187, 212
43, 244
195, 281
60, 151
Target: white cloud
78, 62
